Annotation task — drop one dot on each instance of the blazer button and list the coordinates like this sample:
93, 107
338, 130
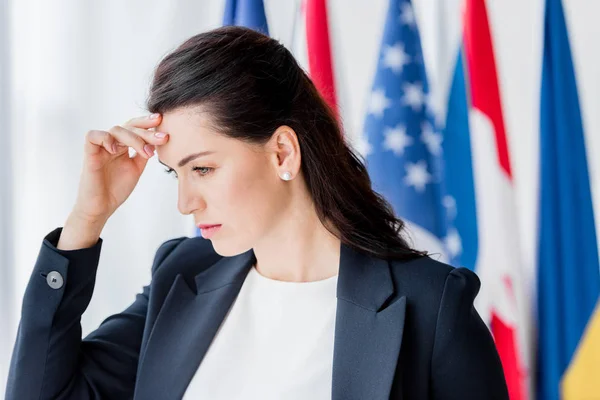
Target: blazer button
55, 280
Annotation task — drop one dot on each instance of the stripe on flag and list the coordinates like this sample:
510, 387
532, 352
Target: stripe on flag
502, 300
319, 50
311, 46
568, 266
248, 13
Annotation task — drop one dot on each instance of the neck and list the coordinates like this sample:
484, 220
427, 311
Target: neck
299, 249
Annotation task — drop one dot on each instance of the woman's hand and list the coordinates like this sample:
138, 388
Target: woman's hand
109, 175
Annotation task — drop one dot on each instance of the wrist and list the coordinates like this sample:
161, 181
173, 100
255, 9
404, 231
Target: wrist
80, 232
80, 219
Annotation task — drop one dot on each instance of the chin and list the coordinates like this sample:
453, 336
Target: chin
228, 248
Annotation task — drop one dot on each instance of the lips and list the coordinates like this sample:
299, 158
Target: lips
207, 226
209, 231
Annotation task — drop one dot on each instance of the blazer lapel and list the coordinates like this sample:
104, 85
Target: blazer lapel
186, 325
368, 328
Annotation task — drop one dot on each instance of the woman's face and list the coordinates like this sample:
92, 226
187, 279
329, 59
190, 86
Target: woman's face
224, 181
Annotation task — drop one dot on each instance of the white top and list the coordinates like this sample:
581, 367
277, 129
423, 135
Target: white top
276, 342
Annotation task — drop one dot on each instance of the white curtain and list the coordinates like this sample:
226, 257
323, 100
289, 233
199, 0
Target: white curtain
68, 66
75, 66
6, 242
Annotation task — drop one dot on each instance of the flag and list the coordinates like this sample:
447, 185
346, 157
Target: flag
452, 183
319, 49
502, 301
462, 241
568, 267
248, 13
311, 46
401, 144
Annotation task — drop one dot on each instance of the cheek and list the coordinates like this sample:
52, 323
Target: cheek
249, 201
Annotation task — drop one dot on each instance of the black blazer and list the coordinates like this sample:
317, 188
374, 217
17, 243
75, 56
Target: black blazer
404, 330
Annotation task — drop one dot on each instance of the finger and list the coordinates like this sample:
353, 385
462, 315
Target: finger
140, 162
152, 137
97, 140
144, 122
128, 138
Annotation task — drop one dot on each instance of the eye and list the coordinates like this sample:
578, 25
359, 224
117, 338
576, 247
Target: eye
171, 170
203, 171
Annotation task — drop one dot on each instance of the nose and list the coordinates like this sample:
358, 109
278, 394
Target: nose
188, 201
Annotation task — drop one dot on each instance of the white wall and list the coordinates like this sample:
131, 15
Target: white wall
86, 65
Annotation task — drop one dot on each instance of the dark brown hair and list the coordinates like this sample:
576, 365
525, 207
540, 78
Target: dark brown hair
251, 84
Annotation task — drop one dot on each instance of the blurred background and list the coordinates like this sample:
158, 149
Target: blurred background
477, 119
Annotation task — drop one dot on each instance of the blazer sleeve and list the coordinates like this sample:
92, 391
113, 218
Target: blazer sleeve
50, 360
465, 362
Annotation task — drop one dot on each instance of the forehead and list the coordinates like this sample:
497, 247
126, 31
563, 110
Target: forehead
191, 131
186, 122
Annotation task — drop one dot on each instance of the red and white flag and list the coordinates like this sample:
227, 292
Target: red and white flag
312, 47
502, 301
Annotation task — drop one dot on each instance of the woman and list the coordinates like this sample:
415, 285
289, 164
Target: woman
305, 288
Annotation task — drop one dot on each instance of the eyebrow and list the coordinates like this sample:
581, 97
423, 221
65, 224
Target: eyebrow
189, 158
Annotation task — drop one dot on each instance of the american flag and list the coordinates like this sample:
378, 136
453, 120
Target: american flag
402, 144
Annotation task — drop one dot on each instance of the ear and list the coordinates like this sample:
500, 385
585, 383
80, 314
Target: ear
285, 151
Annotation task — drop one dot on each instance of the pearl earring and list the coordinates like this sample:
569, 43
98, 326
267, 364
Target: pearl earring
286, 176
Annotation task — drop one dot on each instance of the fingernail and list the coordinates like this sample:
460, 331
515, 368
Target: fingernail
154, 116
149, 149
160, 135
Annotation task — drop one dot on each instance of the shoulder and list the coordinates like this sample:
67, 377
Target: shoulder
448, 330
431, 276
432, 286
